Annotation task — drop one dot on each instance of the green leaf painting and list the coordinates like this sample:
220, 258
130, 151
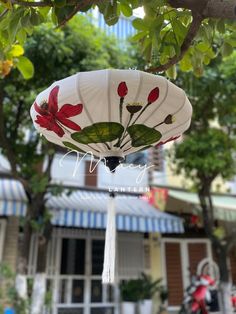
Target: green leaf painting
100, 132
73, 147
142, 135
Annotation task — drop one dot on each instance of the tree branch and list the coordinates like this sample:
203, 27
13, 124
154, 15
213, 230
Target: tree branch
193, 29
3, 13
208, 8
193, 5
32, 3
80, 6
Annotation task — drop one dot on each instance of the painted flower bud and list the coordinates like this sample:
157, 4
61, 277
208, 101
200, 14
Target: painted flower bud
153, 95
169, 119
122, 89
133, 108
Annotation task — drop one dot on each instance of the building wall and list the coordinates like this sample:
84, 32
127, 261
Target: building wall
173, 180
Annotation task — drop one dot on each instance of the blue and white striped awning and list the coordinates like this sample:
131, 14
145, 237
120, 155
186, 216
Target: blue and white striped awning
87, 209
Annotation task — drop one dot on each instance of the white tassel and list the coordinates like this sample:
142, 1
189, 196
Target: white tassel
108, 275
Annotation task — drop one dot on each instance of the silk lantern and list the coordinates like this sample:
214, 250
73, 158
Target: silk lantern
111, 113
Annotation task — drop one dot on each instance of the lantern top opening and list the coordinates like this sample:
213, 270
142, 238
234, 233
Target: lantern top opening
111, 113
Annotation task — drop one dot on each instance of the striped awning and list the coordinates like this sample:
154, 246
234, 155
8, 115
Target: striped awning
87, 209
224, 205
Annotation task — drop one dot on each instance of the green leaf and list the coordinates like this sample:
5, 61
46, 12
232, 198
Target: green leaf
221, 26
185, 63
171, 72
25, 20
36, 18
62, 13
126, 9
110, 13
14, 26
141, 135
202, 46
60, 3
100, 132
139, 36
21, 36
25, 66
44, 11
16, 51
140, 24
226, 49
179, 30
73, 147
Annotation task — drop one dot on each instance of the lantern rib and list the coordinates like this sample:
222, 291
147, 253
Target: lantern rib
109, 95
85, 109
109, 100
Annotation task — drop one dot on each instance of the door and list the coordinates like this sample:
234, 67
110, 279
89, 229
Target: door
174, 273
181, 260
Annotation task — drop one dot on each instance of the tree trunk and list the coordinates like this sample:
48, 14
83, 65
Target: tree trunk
225, 285
39, 287
225, 298
22, 263
219, 248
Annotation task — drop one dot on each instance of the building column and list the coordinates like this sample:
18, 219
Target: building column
156, 270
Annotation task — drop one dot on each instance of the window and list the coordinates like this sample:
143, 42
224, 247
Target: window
70, 311
102, 310
139, 158
73, 257
78, 277
90, 177
156, 158
97, 256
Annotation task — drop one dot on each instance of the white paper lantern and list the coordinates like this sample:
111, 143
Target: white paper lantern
111, 113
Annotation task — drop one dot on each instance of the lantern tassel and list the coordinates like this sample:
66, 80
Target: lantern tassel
108, 275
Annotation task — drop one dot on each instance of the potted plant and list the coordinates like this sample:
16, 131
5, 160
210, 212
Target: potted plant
148, 289
130, 295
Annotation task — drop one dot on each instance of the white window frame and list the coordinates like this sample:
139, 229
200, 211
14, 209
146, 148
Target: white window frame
3, 225
184, 259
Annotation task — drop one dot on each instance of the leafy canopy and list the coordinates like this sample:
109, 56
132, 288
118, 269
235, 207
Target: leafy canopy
208, 149
189, 32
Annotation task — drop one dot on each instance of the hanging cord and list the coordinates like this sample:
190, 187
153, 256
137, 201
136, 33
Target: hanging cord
108, 275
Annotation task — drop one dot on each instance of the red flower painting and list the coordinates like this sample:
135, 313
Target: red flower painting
122, 89
153, 95
54, 119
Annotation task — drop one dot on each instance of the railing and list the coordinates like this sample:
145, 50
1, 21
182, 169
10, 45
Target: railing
72, 294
